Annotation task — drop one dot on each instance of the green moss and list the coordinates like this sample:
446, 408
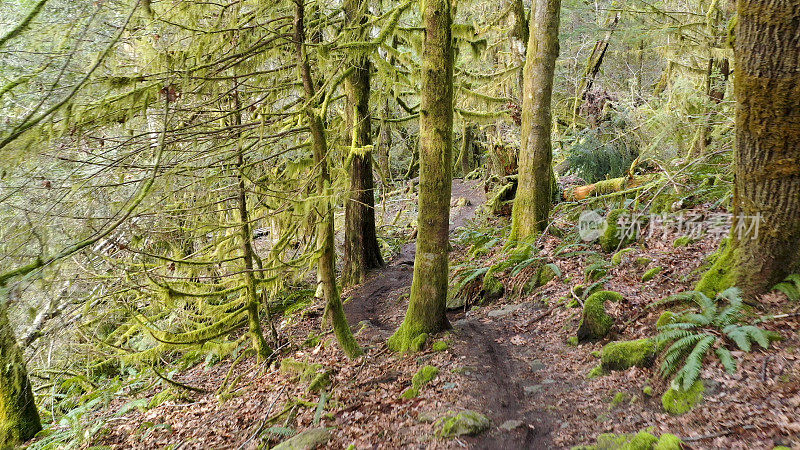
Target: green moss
611, 239
619, 398
596, 271
617, 258
666, 318
668, 442
595, 322
313, 438
679, 402
626, 354
410, 393
683, 241
642, 440
595, 372
314, 374
546, 274
492, 287
424, 376
572, 341
721, 275
418, 343
643, 261
648, 391
463, 423
650, 274
440, 346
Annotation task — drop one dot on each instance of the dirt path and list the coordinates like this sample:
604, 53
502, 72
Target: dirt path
497, 384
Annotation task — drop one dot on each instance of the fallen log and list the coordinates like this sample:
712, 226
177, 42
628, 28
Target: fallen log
606, 187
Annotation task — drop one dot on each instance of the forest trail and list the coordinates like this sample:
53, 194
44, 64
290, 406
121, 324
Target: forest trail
497, 385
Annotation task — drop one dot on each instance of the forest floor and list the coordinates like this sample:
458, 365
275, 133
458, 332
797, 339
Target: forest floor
510, 360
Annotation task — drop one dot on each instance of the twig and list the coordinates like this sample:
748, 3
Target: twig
718, 434
764, 368
541, 316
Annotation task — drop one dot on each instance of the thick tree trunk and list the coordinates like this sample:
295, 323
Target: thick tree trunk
767, 156
426, 309
534, 197
361, 249
19, 419
326, 267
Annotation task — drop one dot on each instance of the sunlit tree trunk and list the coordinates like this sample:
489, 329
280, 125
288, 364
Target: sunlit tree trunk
595, 60
534, 192
19, 419
767, 154
426, 309
326, 266
361, 249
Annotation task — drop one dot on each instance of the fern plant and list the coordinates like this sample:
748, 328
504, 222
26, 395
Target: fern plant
790, 286
693, 334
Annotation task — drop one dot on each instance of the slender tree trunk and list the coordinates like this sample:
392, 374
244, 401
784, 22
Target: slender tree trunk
534, 192
465, 155
767, 155
426, 308
19, 418
260, 345
326, 266
361, 249
519, 38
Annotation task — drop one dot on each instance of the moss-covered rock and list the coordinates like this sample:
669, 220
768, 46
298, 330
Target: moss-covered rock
623, 355
648, 391
620, 256
666, 318
440, 346
572, 341
466, 422
668, 442
650, 274
595, 322
492, 287
678, 402
615, 237
306, 440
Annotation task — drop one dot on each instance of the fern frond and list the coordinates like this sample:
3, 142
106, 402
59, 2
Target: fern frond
730, 314
678, 326
671, 335
694, 362
707, 306
727, 360
757, 335
738, 336
790, 289
699, 319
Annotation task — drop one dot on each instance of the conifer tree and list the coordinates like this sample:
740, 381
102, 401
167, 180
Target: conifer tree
767, 153
361, 249
534, 193
426, 308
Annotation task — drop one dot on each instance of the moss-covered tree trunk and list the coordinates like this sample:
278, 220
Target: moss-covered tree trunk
534, 197
326, 266
19, 419
767, 154
361, 249
426, 308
